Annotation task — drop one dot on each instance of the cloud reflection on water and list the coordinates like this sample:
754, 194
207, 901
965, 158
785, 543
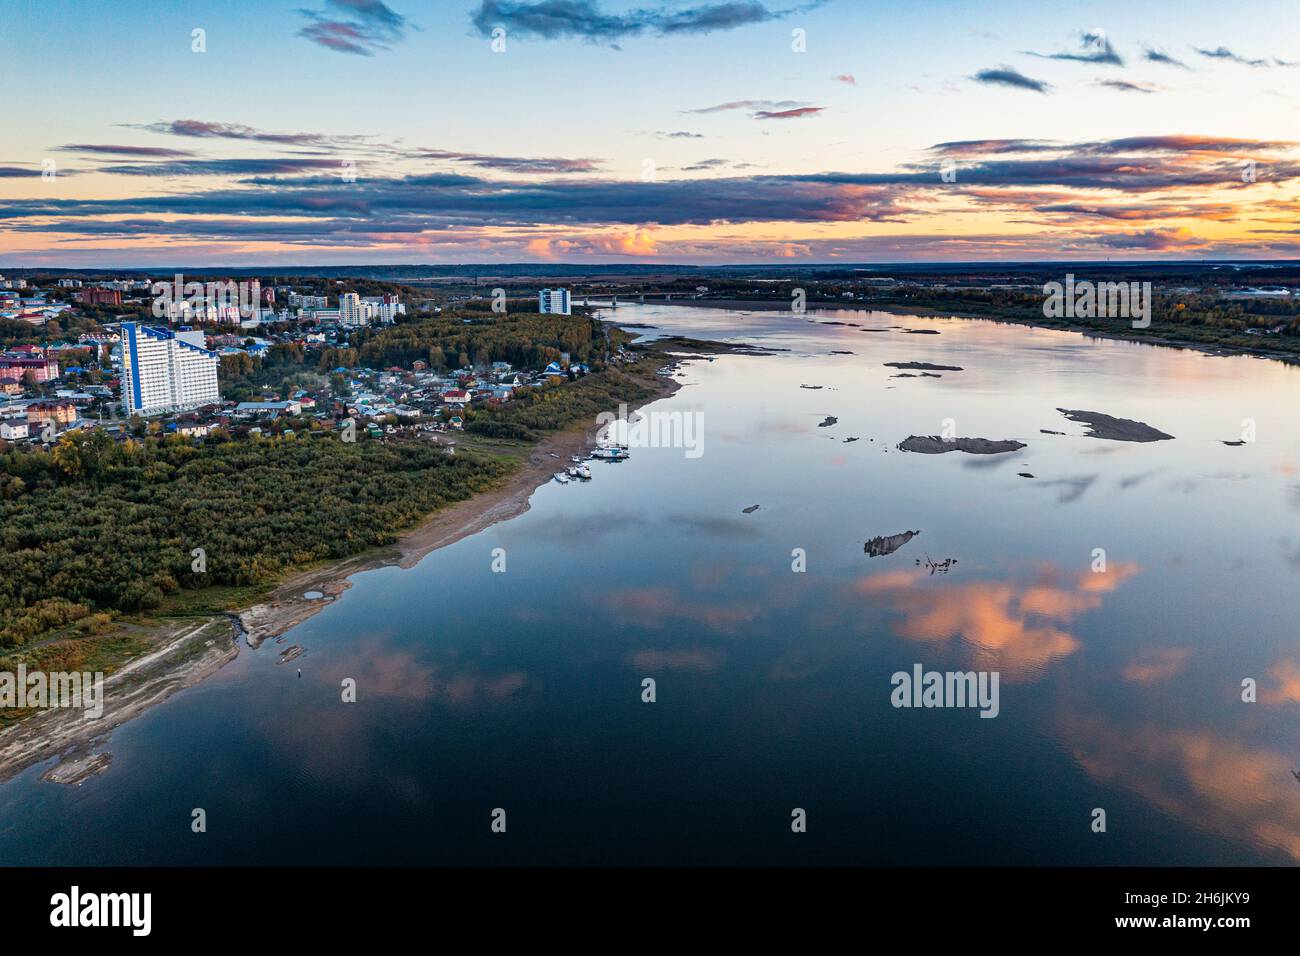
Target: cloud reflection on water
1015, 627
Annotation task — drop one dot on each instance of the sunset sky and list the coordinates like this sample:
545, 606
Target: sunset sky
611, 131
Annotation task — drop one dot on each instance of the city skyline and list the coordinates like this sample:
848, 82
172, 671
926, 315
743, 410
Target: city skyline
358, 132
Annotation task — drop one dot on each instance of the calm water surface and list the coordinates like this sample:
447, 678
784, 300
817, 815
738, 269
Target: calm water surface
1120, 689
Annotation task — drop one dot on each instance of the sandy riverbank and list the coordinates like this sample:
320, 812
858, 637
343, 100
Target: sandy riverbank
287, 606
188, 651
184, 653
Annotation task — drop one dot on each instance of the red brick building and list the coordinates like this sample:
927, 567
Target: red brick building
100, 297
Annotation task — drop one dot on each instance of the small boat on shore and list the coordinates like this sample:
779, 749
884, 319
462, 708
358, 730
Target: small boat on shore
561, 477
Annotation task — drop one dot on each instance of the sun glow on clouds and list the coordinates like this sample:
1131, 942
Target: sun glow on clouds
1169, 195
636, 242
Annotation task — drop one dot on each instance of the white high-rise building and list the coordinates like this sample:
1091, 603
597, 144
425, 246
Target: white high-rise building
351, 314
384, 308
165, 371
554, 301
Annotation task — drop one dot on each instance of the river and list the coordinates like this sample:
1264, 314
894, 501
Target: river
1122, 594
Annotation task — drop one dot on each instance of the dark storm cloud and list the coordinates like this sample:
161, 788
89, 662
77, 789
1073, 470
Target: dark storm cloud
1150, 240
1223, 53
584, 19
469, 201
1075, 181
143, 152
357, 145
1152, 55
1009, 76
1130, 174
797, 113
428, 180
1144, 211
202, 129
514, 164
223, 167
1096, 49
766, 105
1127, 86
1185, 144
359, 27
962, 147
1128, 144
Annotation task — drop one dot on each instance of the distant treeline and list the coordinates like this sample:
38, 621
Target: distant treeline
1192, 316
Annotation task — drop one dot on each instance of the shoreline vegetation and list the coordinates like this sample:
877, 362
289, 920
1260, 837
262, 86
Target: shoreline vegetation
176, 639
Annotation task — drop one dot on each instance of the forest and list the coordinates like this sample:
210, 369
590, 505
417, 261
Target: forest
525, 340
97, 526
559, 405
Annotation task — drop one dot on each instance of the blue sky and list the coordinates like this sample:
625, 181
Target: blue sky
96, 74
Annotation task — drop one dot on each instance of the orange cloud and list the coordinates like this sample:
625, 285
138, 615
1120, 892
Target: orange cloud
655, 608
1156, 664
1287, 674
698, 659
1017, 628
1204, 780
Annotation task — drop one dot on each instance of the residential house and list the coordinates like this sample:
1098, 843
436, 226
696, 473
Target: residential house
15, 429
58, 412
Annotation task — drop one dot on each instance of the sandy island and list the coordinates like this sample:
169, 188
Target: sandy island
925, 366
887, 544
1114, 429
